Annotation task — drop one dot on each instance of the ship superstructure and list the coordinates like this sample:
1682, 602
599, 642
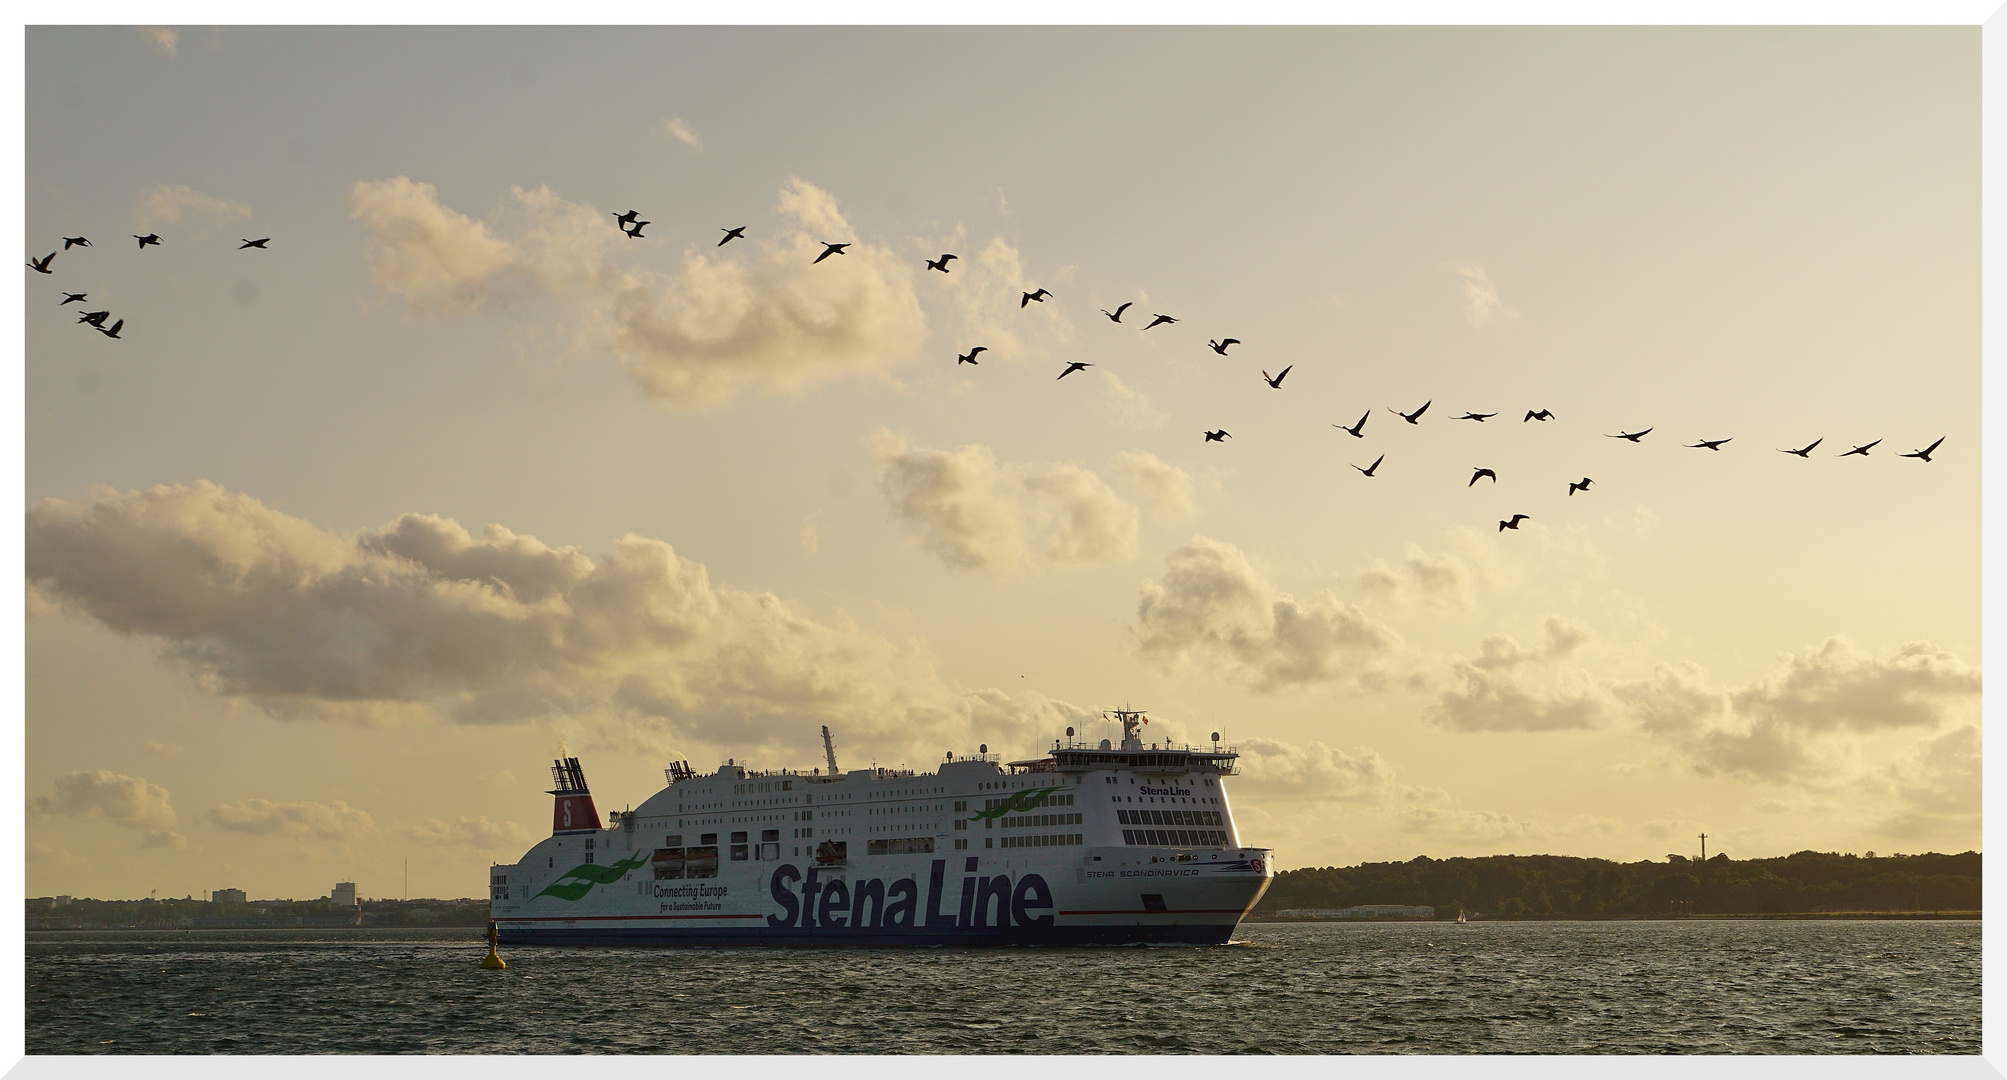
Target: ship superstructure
1085, 844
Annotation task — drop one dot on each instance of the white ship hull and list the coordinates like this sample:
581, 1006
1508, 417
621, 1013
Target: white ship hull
1088, 846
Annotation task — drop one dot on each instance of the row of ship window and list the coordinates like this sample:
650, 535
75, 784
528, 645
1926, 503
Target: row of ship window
1169, 817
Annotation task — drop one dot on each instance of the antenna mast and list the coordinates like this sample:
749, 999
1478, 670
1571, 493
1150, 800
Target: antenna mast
829, 749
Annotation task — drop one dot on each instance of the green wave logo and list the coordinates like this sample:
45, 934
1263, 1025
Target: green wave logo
579, 880
1019, 803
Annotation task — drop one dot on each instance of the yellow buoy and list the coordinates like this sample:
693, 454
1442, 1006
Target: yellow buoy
493, 961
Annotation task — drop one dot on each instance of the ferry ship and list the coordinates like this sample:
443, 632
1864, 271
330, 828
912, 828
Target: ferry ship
1084, 845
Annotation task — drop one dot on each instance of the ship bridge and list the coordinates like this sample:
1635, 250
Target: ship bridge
1133, 755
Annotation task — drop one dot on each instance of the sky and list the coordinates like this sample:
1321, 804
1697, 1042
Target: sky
343, 539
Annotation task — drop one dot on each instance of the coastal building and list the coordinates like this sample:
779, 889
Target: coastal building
227, 896
344, 894
1362, 911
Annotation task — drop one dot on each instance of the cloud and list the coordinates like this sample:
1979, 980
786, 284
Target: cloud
421, 620
336, 822
167, 839
1129, 406
975, 513
811, 534
1767, 728
1165, 488
724, 324
124, 800
984, 290
502, 778
1213, 604
168, 202
166, 750
1937, 788
162, 39
1509, 687
1281, 769
1450, 579
676, 129
475, 834
1483, 306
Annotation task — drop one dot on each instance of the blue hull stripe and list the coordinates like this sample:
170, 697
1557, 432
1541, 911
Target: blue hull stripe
1187, 934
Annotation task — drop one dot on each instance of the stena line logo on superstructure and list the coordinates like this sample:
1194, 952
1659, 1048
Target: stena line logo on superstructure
809, 902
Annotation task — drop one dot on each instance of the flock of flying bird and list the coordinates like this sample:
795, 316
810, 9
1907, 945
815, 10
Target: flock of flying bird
631, 224
96, 319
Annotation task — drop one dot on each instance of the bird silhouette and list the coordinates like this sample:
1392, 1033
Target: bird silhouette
95, 318
73, 297
1480, 474
1116, 315
1159, 321
1807, 451
1368, 470
113, 332
1516, 519
971, 358
1480, 417
1276, 382
634, 231
941, 263
259, 244
1583, 486
1039, 296
731, 234
1542, 415
74, 241
1925, 453
1413, 417
1708, 444
1862, 450
1216, 436
41, 265
626, 219
1358, 430
149, 238
1220, 345
1634, 436
1073, 367
829, 249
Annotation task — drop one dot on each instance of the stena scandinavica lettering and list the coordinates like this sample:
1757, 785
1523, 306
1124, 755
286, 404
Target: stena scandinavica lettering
1089, 842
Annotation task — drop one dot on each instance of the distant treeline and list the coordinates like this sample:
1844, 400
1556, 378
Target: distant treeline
58, 913
1533, 886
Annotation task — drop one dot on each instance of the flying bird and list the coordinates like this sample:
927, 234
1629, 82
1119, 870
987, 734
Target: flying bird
1216, 436
1039, 296
41, 265
1413, 417
149, 238
971, 358
1073, 367
1220, 345
1807, 451
1925, 453
74, 241
1708, 444
113, 332
1583, 486
259, 244
1480, 474
626, 219
634, 232
1634, 436
1480, 417
73, 297
1516, 519
1159, 321
1277, 381
941, 263
1358, 430
1542, 415
95, 318
1116, 315
829, 249
1368, 470
1862, 450
732, 234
